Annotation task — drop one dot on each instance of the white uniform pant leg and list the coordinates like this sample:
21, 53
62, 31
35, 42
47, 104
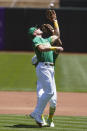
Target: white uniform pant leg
40, 91
44, 74
53, 100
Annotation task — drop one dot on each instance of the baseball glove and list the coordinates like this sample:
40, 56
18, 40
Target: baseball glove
47, 30
51, 15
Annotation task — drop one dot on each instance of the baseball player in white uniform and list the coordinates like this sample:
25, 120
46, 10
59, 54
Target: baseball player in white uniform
46, 88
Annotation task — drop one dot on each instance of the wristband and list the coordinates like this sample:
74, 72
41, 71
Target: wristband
53, 48
56, 24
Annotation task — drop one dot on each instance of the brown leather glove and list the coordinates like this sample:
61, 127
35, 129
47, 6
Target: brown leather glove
51, 15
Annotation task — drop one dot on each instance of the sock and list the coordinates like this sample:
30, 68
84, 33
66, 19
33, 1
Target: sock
51, 113
42, 116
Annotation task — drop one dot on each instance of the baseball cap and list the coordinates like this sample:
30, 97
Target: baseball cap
31, 30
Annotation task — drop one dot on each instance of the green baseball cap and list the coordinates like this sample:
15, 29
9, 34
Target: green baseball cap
31, 30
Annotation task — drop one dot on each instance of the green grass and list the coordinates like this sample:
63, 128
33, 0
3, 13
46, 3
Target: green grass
22, 123
18, 74
71, 73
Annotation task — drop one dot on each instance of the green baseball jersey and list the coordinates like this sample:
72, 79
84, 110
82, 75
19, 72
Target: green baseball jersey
46, 56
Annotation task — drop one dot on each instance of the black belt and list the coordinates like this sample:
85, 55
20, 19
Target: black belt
51, 64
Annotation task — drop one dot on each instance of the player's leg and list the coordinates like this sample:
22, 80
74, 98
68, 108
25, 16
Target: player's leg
52, 101
44, 76
40, 92
52, 108
39, 118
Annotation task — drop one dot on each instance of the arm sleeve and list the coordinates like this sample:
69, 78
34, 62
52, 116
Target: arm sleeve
36, 42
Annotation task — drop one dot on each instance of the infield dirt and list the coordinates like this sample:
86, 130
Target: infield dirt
68, 104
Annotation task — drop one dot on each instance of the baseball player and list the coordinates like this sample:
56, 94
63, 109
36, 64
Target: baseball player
47, 32
45, 69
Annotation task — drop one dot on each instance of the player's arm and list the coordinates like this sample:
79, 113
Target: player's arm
51, 15
56, 27
46, 47
57, 30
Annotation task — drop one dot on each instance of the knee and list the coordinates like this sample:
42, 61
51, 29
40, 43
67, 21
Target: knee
40, 93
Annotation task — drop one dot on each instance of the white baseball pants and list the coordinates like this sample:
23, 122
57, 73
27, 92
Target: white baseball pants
46, 88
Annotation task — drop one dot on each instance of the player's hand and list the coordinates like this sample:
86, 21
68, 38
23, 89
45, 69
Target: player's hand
60, 49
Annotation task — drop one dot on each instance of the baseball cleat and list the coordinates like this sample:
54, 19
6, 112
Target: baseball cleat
50, 123
38, 119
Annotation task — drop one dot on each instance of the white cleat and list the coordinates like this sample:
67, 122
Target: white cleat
38, 119
50, 123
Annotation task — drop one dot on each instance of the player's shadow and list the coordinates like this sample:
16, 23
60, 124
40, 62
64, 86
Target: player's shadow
23, 126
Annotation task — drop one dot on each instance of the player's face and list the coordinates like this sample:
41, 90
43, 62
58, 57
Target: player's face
38, 32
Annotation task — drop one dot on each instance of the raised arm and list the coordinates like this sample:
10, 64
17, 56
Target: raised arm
51, 15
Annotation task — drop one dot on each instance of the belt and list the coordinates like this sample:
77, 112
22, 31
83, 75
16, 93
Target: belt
49, 64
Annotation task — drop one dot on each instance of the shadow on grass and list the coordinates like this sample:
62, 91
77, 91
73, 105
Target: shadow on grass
23, 126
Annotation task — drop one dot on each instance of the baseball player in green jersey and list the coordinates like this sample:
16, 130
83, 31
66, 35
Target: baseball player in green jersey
47, 32
45, 69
